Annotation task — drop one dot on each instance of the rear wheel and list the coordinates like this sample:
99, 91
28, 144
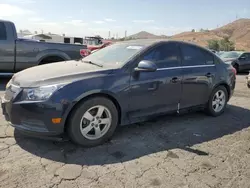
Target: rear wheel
217, 101
93, 122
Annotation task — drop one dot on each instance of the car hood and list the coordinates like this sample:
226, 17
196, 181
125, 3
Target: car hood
55, 73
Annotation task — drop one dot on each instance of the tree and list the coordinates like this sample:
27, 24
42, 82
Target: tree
214, 45
226, 45
193, 30
221, 45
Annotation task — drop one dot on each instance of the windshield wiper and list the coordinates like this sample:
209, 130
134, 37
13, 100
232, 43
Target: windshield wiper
90, 62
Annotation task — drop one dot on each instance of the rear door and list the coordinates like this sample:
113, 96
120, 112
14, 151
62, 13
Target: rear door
159, 91
7, 49
199, 71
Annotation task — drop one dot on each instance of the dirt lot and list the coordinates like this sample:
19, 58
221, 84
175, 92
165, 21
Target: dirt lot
187, 151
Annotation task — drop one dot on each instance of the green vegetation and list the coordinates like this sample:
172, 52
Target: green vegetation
221, 45
204, 30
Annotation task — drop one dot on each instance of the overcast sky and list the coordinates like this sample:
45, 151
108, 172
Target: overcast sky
85, 17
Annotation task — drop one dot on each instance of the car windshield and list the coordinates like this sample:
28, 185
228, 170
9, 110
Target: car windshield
114, 54
230, 54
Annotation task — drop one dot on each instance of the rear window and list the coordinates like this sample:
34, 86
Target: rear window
192, 56
209, 58
3, 35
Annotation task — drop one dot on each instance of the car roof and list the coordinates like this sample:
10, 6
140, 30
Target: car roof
149, 42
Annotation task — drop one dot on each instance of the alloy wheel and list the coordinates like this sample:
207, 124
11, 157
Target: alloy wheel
95, 122
219, 101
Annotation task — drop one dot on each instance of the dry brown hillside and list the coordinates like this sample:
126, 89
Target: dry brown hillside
238, 31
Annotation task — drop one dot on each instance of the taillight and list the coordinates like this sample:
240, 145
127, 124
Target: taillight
84, 52
234, 70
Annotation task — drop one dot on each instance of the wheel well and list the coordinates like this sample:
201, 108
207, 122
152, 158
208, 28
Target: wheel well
51, 59
227, 88
117, 105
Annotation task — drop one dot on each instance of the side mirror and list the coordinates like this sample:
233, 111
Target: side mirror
146, 66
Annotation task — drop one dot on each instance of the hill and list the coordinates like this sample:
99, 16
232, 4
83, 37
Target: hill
145, 35
237, 31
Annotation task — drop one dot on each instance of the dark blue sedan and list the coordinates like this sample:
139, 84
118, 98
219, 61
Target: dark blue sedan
121, 84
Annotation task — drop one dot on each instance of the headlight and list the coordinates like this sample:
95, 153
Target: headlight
40, 93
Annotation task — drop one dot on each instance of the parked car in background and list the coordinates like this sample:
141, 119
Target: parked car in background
95, 43
17, 54
248, 80
214, 51
238, 59
121, 84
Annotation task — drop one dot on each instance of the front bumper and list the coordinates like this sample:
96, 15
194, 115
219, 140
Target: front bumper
34, 119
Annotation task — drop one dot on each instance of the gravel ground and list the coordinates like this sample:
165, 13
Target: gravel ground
185, 151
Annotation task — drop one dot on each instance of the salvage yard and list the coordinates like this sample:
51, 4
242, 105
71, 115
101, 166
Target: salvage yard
185, 151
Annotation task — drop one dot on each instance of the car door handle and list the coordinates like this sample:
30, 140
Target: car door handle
209, 75
175, 80
154, 86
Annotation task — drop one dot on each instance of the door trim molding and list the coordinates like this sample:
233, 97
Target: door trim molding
186, 67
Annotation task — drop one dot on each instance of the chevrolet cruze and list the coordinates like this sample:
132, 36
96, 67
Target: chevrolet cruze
121, 84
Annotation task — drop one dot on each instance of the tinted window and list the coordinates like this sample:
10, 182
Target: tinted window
2, 32
246, 55
192, 55
209, 58
165, 55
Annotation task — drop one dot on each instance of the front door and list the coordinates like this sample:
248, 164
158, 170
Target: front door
7, 50
199, 71
159, 91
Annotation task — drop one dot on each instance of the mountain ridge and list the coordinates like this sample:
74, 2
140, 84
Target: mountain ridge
238, 31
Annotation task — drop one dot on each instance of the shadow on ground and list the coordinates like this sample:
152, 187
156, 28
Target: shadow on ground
134, 141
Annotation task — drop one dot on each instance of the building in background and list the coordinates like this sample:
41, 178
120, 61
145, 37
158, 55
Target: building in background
49, 37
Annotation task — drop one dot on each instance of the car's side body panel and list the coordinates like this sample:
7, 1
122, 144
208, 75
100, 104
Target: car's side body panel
170, 88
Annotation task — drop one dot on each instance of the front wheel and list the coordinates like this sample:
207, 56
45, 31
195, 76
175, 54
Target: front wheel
217, 101
93, 122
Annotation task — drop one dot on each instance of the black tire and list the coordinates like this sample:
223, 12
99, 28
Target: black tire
74, 131
210, 111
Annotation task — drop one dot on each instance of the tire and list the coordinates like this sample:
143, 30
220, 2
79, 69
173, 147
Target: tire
210, 108
87, 138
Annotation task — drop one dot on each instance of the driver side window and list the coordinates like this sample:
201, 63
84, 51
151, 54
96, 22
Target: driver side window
164, 56
246, 56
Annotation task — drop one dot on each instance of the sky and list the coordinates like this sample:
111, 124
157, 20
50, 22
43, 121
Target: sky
81, 18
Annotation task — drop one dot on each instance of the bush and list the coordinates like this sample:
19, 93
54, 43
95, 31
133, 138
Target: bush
214, 45
221, 45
